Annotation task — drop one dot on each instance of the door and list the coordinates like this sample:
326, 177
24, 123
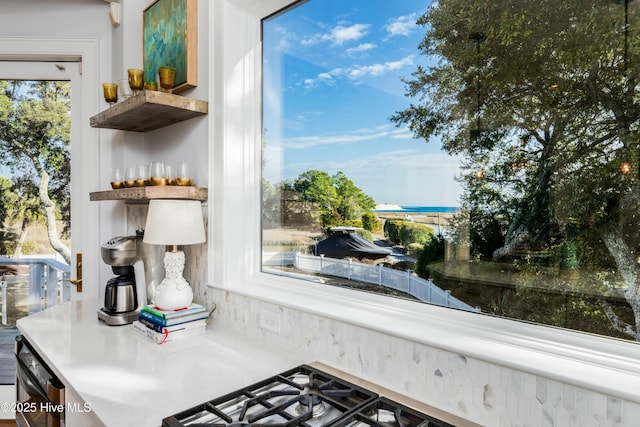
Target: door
54, 71
81, 71
67, 70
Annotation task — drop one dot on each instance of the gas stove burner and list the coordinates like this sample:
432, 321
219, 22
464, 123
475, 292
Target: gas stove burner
313, 403
305, 397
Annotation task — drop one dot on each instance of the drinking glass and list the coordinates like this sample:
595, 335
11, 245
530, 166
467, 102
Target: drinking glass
116, 179
130, 176
136, 79
157, 174
110, 91
125, 90
170, 170
183, 174
142, 175
167, 76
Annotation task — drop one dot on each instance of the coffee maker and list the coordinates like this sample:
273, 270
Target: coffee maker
124, 294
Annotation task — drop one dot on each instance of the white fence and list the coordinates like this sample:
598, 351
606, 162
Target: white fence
405, 281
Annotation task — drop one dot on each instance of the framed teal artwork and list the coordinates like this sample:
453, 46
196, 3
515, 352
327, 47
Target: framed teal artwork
170, 39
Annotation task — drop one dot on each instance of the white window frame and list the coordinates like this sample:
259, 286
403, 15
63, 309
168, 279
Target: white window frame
601, 364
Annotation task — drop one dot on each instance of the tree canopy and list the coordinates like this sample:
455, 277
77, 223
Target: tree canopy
336, 197
542, 99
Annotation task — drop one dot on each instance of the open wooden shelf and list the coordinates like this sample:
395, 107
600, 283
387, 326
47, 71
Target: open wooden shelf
149, 110
152, 192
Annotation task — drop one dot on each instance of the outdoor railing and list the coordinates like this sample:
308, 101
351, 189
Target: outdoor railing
405, 281
48, 283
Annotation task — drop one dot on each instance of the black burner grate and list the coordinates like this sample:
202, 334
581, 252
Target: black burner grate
384, 412
303, 396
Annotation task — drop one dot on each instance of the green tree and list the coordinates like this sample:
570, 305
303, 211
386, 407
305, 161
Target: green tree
338, 198
542, 99
352, 201
35, 136
25, 210
317, 187
371, 222
432, 251
7, 237
403, 232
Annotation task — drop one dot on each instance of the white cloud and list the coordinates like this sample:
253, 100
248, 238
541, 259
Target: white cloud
321, 140
339, 34
310, 41
402, 25
357, 135
376, 70
402, 133
361, 48
357, 72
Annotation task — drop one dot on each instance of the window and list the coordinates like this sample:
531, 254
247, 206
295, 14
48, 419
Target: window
479, 155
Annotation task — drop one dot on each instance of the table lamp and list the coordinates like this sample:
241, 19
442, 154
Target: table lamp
174, 223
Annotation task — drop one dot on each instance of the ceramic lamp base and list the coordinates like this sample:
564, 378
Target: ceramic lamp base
174, 291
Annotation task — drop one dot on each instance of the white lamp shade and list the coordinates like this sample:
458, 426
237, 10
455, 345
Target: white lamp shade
174, 222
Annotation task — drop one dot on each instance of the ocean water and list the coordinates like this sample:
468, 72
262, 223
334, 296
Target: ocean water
421, 209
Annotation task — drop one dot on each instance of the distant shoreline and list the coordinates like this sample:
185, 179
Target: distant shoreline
440, 219
392, 208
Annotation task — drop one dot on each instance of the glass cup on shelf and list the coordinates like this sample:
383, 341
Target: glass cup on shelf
117, 179
167, 76
157, 174
110, 91
130, 176
136, 79
142, 175
183, 174
170, 171
124, 89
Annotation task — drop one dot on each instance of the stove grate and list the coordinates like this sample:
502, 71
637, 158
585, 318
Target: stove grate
305, 397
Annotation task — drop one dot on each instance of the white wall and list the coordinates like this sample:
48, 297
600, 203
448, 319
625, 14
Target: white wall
47, 18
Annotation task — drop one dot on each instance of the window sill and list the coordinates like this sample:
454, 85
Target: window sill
600, 364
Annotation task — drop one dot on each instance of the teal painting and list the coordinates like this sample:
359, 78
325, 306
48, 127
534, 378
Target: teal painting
170, 40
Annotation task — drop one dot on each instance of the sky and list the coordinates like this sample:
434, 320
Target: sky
332, 80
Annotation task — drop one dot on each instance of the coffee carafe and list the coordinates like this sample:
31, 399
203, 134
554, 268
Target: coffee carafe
125, 294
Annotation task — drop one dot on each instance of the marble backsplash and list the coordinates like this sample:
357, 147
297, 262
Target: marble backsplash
486, 393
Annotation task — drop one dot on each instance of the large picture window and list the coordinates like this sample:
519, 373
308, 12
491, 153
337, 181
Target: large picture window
482, 156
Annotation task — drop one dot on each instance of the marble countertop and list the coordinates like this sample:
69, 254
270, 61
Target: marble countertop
129, 380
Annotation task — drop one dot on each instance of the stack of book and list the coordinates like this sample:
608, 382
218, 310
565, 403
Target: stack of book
163, 326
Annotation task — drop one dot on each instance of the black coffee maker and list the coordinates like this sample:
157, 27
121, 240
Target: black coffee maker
124, 294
